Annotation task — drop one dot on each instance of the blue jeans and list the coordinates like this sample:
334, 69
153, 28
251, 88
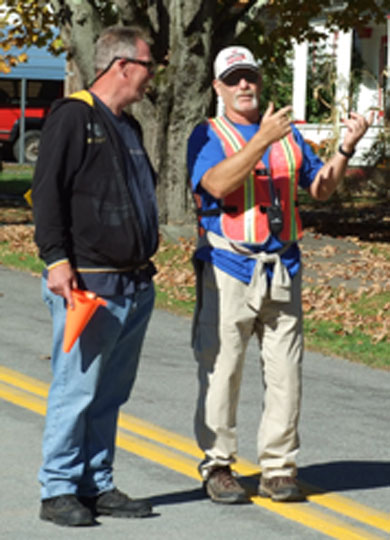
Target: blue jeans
89, 385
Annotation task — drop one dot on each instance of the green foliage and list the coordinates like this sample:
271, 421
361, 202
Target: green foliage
277, 81
321, 83
28, 23
261, 23
357, 69
266, 26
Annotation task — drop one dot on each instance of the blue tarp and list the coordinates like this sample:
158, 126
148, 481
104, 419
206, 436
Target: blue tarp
40, 65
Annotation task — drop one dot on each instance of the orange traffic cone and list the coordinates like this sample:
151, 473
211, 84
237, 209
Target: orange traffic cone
86, 303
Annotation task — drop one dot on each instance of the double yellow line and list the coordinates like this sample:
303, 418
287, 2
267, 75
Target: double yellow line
182, 455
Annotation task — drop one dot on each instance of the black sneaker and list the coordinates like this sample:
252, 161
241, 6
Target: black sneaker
281, 489
117, 504
66, 510
222, 487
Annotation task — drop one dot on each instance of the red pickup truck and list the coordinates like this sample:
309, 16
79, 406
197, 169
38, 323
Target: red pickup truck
39, 96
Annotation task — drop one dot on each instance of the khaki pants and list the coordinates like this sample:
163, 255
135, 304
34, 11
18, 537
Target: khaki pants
223, 325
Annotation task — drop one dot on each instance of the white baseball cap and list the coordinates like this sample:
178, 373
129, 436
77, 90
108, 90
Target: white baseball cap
232, 58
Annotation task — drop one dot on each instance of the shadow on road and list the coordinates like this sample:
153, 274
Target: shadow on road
320, 478
177, 497
370, 224
347, 475
335, 476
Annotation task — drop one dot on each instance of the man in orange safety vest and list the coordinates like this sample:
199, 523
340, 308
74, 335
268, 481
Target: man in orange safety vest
245, 172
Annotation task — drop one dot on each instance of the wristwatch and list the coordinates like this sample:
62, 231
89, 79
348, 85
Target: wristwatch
344, 153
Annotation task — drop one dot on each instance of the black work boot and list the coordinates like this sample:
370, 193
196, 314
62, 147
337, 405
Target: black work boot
66, 510
117, 504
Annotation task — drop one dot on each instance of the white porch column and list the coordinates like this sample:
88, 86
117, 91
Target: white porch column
343, 67
300, 80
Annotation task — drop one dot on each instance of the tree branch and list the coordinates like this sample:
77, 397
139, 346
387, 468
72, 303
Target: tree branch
249, 16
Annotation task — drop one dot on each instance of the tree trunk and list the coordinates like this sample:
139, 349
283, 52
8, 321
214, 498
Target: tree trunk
181, 99
180, 96
80, 25
167, 124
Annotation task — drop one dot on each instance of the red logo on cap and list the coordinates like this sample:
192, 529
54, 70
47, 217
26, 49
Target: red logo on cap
235, 57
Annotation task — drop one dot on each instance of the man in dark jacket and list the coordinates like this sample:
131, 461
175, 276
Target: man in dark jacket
96, 228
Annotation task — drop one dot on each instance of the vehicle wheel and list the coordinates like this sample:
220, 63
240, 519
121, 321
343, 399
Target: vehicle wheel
31, 145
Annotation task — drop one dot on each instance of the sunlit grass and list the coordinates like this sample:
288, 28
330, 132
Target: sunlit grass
328, 338
19, 260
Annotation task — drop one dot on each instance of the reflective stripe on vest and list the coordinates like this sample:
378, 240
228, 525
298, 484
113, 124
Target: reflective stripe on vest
248, 221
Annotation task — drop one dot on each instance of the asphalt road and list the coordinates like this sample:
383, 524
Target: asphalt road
344, 461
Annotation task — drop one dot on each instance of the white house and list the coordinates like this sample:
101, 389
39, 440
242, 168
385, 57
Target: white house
374, 49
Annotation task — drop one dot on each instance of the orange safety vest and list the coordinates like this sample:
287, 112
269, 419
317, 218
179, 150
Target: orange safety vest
243, 216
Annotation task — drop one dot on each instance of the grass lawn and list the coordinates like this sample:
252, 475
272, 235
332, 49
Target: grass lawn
353, 325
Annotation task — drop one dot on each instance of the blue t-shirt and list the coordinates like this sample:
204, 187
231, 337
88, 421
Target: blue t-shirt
204, 152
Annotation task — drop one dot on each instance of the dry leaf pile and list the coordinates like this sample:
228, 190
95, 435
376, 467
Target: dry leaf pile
20, 239
354, 292
175, 275
351, 289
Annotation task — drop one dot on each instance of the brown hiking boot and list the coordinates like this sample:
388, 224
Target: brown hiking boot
222, 487
281, 489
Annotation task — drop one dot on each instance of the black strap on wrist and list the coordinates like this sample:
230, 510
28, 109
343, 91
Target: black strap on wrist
344, 153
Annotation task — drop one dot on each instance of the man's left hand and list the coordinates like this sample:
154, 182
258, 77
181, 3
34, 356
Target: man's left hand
357, 126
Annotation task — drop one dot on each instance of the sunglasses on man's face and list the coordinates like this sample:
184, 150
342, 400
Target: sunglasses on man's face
235, 77
145, 63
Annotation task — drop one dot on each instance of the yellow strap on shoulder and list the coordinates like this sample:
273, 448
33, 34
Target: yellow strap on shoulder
83, 95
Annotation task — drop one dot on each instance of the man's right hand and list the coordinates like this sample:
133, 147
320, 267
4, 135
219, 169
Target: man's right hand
275, 125
61, 280
230, 173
